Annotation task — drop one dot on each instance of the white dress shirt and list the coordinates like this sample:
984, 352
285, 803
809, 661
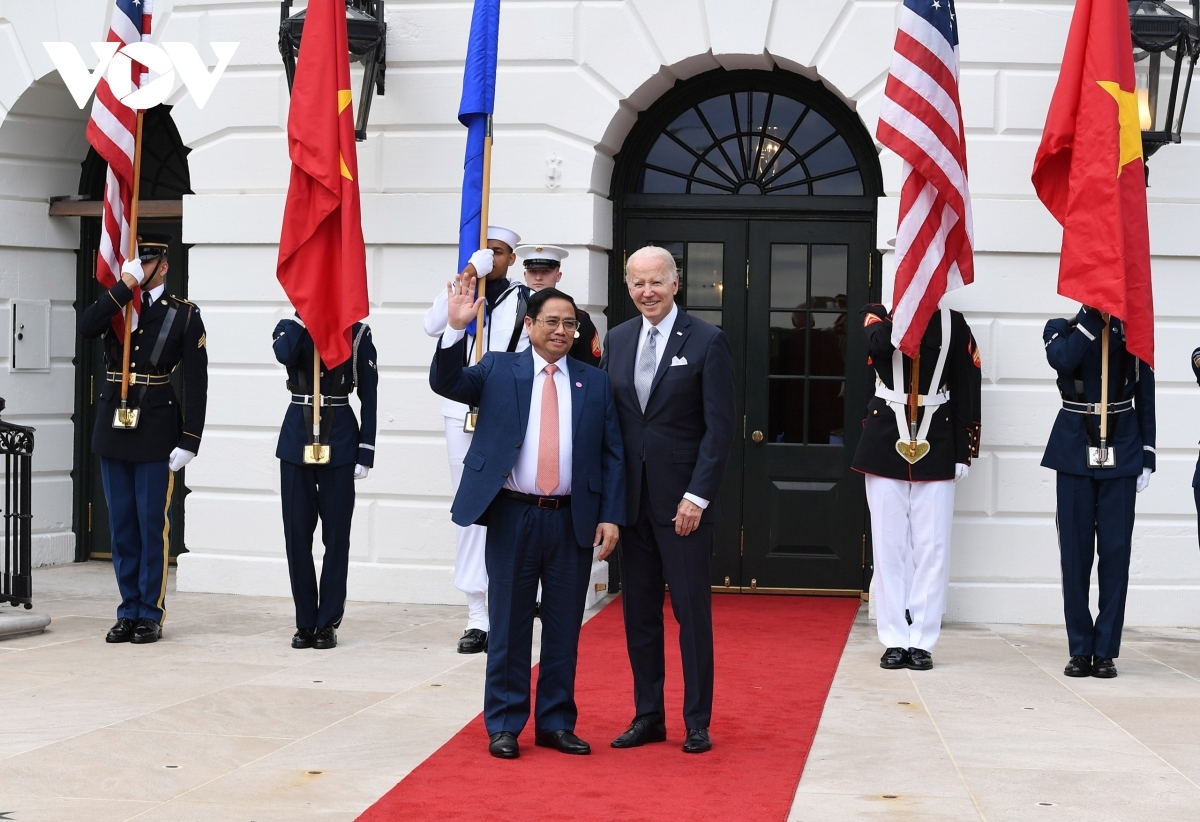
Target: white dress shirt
665, 326
524, 474
156, 292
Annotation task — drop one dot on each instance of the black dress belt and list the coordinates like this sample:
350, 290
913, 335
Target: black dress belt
327, 400
552, 503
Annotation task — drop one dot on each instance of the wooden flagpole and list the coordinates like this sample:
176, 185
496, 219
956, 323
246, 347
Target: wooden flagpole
316, 400
1104, 394
123, 416
483, 233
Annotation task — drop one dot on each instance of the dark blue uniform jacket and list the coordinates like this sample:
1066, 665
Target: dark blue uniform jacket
1073, 350
1196, 371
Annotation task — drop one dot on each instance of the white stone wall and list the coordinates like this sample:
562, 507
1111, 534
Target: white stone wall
573, 76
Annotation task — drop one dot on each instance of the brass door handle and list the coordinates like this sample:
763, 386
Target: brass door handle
757, 436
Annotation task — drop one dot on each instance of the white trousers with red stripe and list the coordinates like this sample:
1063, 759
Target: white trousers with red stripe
910, 529
470, 570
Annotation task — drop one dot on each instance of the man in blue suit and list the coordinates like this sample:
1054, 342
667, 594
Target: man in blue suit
545, 474
1096, 503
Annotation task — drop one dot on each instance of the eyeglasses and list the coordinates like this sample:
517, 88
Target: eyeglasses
552, 323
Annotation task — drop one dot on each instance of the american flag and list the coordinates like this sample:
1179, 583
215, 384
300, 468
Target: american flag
921, 120
111, 131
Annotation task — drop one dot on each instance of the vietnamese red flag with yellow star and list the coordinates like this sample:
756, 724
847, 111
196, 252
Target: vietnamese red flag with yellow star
322, 258
1090, 173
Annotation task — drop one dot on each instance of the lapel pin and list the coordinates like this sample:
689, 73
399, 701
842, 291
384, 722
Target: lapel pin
678, 333
579, 385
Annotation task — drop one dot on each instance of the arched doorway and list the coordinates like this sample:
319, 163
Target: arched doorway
764, 187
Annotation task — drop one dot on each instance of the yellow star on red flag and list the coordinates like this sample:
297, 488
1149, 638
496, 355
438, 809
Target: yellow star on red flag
344, 99
1130, 121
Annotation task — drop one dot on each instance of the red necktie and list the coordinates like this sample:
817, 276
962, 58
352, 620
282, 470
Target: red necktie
547, 467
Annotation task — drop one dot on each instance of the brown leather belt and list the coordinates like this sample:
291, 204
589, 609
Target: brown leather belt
551, 503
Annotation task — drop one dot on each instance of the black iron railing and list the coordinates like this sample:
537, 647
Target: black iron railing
16, 576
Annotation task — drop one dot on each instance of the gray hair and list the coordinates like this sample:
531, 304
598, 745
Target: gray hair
658, 254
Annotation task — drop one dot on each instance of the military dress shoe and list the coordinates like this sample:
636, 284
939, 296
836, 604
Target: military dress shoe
503, 745
640, 731
1103, 668
147, 631
697, 741
919, 660
303, 638
325, 638
121, 631
893, 659
1079, 666
473, 641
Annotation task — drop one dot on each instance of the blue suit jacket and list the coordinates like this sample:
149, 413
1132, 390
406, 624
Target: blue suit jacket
501, 386
1073, 350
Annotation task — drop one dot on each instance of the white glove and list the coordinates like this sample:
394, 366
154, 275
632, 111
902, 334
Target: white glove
134, 269
179, 458
961, 469
1143, 482
482, 260
360, 472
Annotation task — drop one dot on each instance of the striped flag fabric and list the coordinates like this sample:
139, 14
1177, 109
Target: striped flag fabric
111, 131
921, 121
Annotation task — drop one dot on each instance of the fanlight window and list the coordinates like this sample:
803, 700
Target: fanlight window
750, 142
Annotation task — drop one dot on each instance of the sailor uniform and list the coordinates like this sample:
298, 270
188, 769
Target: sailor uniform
1096, 505
138, 482
911, 495
325, 492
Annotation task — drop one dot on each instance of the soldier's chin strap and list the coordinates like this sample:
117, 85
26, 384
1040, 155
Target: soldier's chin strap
898, 401
157, 265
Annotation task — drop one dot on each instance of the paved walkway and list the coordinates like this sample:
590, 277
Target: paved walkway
223, 721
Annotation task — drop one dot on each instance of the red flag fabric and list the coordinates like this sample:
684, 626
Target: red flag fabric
1090, 173
322, 258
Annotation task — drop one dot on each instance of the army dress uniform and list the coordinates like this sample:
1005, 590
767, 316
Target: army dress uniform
135, 463
326, 492
1096, 505
912, 502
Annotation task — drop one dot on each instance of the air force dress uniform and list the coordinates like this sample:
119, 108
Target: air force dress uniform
324, 491
136, 463
1096, 504
910, 491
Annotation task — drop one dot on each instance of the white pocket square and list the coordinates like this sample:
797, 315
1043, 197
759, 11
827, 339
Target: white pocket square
678, 361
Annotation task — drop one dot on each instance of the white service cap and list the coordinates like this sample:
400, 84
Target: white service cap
504, 235
542, 256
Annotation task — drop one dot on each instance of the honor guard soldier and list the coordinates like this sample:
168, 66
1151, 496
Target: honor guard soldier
1196, 476
921, 431
143, 442
543, 269
318, 482
503, 330
1102, 446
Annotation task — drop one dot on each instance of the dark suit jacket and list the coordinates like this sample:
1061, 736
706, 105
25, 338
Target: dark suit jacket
684, 436
501, 386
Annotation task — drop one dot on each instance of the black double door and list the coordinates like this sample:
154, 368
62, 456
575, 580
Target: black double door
787, 294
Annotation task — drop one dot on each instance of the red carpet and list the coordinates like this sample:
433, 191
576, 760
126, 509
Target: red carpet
775, 660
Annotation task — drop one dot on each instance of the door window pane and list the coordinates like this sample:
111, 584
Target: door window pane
704, 275
789, 275
829, 266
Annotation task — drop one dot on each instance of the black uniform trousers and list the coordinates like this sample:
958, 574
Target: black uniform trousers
525, 545
309, 492
138, 495
651, 555
1095, 518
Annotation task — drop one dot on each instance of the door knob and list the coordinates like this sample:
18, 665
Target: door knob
757, 436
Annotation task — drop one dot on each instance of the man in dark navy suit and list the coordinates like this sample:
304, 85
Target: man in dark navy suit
1096, 504
325, 491
138, 464
545, 474
672, 377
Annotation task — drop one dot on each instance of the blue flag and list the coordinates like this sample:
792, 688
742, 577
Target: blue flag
478, 101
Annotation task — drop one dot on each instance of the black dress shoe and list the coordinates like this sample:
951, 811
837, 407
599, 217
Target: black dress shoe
303, 638
894, 659
1079, 666
563, 742
121, 631
697, 741
473, 641
325, 638
1103, 668
147, 631
504, 745
919, 660
640, 731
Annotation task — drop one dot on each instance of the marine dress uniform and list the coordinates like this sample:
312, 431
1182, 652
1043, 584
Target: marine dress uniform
323, 491
911, 493
138, 464
1096, 504
503, 330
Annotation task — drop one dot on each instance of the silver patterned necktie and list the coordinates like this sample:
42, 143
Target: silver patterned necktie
647, 365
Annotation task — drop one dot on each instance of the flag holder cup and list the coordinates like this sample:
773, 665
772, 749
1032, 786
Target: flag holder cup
125, 417
1103, 456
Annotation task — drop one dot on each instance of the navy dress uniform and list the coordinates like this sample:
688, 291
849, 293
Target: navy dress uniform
1196, 476
138, 464
326, 492
1096, 504
911, 494
543, 269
